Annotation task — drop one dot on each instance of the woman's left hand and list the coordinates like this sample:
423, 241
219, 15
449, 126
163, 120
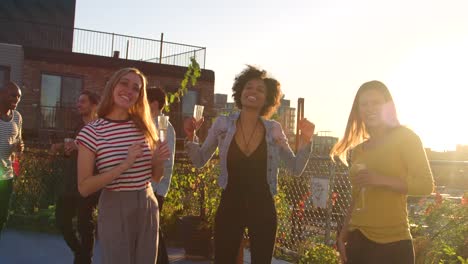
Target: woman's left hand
307, 129
162, 152
367, 178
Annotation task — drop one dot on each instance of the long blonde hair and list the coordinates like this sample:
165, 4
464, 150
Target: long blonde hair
356, 131
139, 112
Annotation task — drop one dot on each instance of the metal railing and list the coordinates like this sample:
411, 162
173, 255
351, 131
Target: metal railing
40, 119
99, 43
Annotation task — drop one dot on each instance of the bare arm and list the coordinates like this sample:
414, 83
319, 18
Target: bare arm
88, 183
158, 171
296, 163
160, 155
200, 155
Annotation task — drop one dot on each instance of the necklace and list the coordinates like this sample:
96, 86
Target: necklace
247, 142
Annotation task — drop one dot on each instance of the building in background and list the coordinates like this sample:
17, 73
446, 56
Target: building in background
39, 24
462, 149
286, 115
53, 62
323, 143
221, 106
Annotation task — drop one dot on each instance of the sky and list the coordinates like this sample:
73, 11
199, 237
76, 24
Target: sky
322, 51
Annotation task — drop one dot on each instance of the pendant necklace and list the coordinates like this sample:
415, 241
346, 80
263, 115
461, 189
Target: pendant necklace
247, 142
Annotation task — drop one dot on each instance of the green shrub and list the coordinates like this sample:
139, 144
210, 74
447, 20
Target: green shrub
441, 232
320, 254
192, 192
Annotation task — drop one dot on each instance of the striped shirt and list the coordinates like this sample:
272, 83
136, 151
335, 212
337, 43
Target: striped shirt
10, 133
109, 140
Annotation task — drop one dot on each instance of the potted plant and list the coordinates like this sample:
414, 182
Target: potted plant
193, 199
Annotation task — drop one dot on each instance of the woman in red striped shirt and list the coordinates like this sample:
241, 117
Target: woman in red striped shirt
123, 144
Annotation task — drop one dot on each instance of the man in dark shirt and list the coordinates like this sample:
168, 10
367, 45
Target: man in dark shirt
70, 203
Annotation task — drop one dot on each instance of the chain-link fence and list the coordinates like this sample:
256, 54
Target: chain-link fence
310, 207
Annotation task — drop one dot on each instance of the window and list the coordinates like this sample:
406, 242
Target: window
4, 75
58, 97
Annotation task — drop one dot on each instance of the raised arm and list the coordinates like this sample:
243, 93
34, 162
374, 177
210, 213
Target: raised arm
160, 156
295, 163
200, 155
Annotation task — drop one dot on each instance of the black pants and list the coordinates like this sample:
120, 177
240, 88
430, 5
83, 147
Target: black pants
163, 258
234, 215
6, 189
69, 206
361, 250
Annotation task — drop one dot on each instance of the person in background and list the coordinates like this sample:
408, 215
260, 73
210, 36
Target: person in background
157, 101
70, 204
251, 148
388, 162
123, 144
11, 142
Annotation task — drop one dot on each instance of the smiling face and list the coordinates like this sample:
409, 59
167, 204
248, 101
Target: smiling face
371, 108
127, 90
10, 96
254, 94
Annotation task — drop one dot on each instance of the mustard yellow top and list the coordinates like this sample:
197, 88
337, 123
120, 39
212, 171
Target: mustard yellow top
382, 215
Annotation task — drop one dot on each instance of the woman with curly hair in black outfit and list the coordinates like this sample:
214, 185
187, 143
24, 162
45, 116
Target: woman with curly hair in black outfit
251, 148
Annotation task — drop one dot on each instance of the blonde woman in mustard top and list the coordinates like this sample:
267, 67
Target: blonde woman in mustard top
388, 162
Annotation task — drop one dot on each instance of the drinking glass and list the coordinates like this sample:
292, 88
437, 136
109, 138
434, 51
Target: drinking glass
66, 146
162, 127
198, 112
362, 191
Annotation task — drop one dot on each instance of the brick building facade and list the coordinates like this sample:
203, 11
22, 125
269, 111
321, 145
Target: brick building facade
53, 62
49, 111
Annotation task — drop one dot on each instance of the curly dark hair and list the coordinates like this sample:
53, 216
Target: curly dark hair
273, 90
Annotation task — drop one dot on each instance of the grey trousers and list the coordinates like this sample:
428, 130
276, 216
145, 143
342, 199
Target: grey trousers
128, 227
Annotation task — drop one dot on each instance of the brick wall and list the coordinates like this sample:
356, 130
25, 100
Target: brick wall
95, 77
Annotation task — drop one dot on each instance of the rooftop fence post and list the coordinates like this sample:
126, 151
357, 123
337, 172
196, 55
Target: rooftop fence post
161, 48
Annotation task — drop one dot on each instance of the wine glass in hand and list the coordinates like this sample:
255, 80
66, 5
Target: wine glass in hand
163, 122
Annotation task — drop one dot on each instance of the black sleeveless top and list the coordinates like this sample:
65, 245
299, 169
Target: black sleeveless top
247, 175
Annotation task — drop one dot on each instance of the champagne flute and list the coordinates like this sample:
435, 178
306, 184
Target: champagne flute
66, 145
162, 127
198, 115
362, 191
198, 112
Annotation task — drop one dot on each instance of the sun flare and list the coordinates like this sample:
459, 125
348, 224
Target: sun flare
431, 89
